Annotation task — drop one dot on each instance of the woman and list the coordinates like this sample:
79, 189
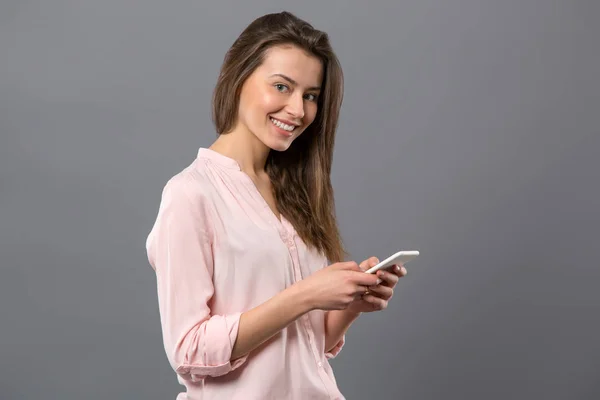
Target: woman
250, 307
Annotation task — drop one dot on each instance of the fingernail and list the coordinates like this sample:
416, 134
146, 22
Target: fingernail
379, 281
380, 273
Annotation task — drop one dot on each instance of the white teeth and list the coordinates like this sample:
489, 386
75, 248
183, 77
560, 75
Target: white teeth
283, 126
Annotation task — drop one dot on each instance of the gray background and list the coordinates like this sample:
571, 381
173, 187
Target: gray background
469, 131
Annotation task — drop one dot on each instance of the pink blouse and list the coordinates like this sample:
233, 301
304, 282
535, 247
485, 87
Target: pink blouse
218, 250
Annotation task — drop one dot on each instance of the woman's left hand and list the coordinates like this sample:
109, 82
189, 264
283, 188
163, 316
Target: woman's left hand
377, 297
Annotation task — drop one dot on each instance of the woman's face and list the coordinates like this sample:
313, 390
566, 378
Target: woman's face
279, 99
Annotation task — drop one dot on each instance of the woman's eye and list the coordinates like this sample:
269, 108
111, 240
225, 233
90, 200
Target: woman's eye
311, 97
280, 87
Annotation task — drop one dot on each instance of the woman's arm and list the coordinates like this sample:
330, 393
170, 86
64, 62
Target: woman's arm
337, 323
332, 288
200, 343
259, 324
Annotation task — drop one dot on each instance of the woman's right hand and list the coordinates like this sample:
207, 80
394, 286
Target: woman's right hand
336, 286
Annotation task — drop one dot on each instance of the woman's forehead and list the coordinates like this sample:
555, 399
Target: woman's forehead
295, 64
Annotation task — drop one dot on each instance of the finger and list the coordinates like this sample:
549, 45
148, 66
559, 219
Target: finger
399, 270
385, 292
359, 294
362, 279
361, 291
368, 263
349, 265
377, 302
389, 279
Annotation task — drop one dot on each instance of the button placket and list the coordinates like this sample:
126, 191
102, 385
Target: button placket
288, 239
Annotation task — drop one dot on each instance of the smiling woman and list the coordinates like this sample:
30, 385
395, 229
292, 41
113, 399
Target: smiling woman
288, 87
250, 308
279, 99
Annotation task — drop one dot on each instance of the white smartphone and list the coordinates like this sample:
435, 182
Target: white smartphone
400, 257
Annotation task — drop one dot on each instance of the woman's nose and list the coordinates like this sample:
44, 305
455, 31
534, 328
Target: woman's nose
296, 107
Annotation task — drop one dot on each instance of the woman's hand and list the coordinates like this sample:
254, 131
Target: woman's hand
378, 296
337, 286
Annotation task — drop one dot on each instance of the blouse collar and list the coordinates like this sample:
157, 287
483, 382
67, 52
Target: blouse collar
218, 158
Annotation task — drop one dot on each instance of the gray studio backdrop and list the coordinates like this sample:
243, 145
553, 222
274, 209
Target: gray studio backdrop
469, 131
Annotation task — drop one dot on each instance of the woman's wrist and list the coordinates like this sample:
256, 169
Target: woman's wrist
350, 312
302, 296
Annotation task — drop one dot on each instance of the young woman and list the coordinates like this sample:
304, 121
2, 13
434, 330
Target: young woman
250, 307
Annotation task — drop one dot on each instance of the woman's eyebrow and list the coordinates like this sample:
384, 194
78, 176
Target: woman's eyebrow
293, 82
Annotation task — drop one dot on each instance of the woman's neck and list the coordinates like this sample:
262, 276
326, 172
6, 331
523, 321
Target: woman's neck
245, 148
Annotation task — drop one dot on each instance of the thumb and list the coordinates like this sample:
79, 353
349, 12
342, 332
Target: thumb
368, 263
350, 265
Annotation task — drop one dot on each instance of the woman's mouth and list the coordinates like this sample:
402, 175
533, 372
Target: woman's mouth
283, 126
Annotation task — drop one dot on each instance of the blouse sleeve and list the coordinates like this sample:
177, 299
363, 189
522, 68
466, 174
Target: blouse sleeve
197, 343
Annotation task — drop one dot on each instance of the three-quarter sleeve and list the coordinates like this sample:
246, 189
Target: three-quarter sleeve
197, 343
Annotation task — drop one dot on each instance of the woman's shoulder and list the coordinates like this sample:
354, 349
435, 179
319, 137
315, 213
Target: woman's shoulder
185, 200
192, 185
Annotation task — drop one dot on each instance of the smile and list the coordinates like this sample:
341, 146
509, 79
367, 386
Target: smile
285, 127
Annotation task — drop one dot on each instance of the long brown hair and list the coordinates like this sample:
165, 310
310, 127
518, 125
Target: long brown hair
301, 175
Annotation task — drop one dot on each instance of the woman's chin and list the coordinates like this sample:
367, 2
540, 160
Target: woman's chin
279, 146
279, 142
